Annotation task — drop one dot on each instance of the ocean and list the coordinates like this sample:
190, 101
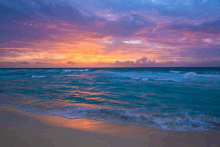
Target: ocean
176, 99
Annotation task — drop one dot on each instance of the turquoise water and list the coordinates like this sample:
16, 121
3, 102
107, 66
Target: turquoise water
178, 99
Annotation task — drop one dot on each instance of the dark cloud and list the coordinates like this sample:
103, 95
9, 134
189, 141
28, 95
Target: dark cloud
143, 62
70, 62
212, 27
215, 63
8, 14
22, 62
59, 10
212, 51
126, 25
9, 53
179, 12
215, 23
15, 13
209, 52
171, 8
4, 64
40, 63
44, 10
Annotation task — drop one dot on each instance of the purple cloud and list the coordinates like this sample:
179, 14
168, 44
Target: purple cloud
143, 62
212, 27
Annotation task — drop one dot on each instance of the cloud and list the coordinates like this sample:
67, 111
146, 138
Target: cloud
39, 63
70, 62
126, 25
22, 62
214, 63
9, 53
41, 30
143, 62
24, 19
133, 42
46, 9
210, 52
212, 27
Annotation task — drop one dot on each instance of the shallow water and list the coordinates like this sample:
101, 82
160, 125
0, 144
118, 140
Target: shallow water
178, 99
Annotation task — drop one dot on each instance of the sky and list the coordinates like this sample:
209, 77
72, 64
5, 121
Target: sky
109, 33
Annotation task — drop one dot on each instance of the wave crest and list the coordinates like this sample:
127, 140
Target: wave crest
34, 76
190, 75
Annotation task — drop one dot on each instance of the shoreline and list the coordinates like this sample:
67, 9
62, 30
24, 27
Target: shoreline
24, 127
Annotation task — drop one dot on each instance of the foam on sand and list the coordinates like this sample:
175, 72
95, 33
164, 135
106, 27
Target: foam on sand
54, 131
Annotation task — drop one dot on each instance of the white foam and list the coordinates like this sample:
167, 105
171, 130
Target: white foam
82, 70
67, 70
193, 74
145, 79
190, 75
176, 72
34, 76
209, 76
167, 79
70, 70
163, 121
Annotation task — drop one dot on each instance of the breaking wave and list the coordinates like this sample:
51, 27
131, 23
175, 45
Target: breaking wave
34, 76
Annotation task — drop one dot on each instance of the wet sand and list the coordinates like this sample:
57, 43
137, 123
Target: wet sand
18, 128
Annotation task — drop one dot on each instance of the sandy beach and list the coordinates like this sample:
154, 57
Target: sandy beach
18, 128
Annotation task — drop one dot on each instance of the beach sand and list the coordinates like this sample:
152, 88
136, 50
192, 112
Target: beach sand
20, 129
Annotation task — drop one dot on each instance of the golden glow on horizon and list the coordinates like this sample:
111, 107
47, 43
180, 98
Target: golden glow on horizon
88, 48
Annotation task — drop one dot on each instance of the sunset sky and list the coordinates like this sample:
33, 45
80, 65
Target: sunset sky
109, 33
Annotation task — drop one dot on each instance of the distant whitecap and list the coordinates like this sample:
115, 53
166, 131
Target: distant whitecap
190, 75
34, 76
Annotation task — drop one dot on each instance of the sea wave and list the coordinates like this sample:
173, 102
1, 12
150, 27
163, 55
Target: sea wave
34, 76
74, 70
185, 101
164, 121
190, 75
161, 121
52, 70
176, 72
193, 74
167, 79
